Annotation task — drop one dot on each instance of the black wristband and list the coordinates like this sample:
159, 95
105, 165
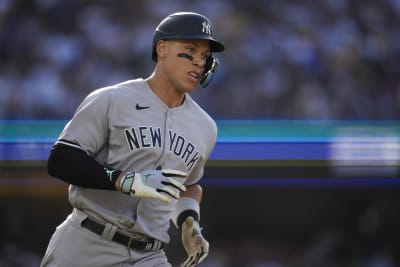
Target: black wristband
184, 214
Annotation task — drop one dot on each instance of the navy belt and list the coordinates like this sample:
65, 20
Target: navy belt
128, 241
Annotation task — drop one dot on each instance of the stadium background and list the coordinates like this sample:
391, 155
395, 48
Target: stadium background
305, 171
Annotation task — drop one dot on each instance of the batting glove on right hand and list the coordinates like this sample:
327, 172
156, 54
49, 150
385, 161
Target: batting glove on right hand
195, 244
153, 184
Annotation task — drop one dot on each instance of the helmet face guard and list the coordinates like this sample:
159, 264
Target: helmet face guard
210, 68
189, 25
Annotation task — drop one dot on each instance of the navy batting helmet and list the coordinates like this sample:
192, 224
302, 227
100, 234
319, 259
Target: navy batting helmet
185, 25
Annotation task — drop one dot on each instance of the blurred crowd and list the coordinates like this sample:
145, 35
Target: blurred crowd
329, 59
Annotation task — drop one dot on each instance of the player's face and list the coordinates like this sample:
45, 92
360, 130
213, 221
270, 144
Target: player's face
185, 61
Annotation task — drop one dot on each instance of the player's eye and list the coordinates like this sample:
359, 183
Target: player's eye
191, 49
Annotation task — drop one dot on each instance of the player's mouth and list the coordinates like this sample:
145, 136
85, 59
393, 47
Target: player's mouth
194, 75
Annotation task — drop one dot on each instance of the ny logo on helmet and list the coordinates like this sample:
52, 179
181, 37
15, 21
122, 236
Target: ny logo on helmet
206, 27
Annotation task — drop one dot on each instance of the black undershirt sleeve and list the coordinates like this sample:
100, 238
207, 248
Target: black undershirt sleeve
74, 166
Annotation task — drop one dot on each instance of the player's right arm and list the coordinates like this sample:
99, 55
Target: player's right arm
71, 158
70, 163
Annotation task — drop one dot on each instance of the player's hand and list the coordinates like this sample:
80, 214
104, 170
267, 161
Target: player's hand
194, 243
154, 184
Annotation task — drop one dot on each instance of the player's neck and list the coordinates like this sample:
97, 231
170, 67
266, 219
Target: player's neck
169, 95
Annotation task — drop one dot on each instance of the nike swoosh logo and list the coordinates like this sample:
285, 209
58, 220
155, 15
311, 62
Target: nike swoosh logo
138, 107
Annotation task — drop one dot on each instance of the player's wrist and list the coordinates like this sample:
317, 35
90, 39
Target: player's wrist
186, 214
185, 207
119, 180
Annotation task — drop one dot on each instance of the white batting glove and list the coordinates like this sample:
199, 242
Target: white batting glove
153, 184
194, 243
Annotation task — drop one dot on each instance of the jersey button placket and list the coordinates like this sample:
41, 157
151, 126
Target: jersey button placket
167, 126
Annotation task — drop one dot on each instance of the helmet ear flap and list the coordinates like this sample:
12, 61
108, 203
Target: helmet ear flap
209, 70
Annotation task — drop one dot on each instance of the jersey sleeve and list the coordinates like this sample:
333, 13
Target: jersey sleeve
88, 128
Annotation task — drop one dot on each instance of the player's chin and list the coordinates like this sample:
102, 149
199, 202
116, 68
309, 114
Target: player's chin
190, 86
191, 81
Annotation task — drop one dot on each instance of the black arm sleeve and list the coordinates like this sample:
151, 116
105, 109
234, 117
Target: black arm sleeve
74, 166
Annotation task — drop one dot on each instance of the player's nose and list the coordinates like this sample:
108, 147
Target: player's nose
199, 61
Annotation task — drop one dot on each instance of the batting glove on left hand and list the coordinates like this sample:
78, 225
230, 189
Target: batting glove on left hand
194, 243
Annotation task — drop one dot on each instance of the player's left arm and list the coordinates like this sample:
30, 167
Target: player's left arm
187, 217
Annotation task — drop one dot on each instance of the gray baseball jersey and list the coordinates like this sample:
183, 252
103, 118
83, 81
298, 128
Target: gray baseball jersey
128, 127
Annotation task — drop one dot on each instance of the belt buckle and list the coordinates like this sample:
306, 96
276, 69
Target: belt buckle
148, 247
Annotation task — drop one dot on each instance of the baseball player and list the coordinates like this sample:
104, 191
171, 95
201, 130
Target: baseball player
133, 154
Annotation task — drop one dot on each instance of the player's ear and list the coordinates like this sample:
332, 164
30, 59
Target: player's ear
161, 49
